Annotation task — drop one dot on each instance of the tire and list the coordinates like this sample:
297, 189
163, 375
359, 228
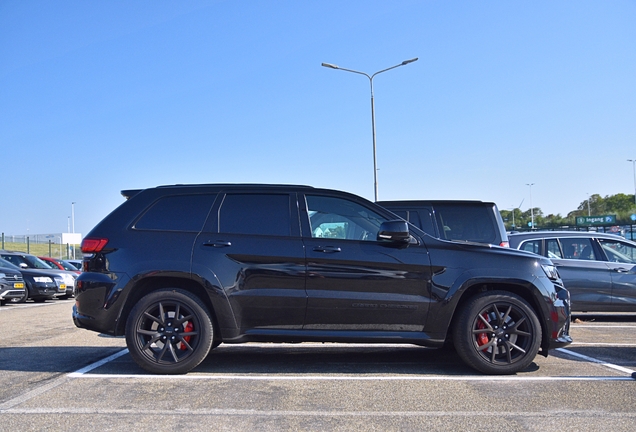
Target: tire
169, 331
497, 332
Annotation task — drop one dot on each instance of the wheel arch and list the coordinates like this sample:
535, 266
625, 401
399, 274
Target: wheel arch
523, 289
151, 284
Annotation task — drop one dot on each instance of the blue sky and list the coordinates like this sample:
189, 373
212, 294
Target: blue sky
100, 96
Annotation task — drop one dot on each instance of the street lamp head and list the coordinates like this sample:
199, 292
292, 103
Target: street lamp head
405, 62
329, 65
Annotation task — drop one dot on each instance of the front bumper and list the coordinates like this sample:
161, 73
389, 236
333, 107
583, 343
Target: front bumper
558, 325
7, 293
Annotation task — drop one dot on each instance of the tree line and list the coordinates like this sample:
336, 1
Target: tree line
621, 205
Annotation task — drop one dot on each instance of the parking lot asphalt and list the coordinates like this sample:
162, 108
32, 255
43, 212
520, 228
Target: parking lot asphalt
54, 376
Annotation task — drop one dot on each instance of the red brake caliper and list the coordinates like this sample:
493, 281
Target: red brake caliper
188, 328
482, 338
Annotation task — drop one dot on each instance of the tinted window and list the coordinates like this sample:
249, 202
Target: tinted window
414, 218
466, 223
533, 246
343, 219
261, 214
177, 213
618, 251
577, 248
426, 222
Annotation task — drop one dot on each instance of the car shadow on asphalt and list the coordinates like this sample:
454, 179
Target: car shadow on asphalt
280, 360
49, 359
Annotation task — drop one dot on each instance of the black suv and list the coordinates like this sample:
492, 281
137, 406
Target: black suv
473, 221
180, 269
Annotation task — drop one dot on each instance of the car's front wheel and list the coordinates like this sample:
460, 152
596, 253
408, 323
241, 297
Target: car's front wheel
169, 331
497, 333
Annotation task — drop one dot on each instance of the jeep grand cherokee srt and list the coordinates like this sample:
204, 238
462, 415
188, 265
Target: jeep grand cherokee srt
180, 269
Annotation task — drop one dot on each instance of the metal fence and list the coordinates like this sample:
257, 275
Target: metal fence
41, 245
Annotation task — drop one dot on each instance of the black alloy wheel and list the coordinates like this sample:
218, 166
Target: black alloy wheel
169, 331
497, 333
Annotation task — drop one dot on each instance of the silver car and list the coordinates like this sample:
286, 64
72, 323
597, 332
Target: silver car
598, 269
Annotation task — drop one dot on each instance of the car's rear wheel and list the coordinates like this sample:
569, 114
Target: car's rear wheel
497, 333
169, 332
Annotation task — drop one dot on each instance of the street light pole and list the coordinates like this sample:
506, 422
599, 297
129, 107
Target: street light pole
370, 77
633, 161
73, 216
531, 209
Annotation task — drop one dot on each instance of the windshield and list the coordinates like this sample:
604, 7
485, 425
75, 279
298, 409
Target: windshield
6, 264
35, 262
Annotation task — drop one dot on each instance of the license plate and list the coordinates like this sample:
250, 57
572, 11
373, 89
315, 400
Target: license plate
18, 285
62, 287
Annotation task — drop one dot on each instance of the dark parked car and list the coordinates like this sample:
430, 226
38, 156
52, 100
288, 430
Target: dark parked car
27, 261
75, 263
40, 284
598, 269
471, 221
11, 284
180, 269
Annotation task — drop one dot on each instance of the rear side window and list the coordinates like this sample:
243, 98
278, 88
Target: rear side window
260, 214
421, 219
474, 224
553, 248
533, 246
410, 216
177, 213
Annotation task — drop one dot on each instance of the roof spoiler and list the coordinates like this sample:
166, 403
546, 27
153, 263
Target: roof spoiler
130, 193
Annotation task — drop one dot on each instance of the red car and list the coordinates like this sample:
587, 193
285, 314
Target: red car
59, 264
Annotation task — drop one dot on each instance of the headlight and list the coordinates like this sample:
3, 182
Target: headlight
550, 271
43, 279
2, 275
68, 279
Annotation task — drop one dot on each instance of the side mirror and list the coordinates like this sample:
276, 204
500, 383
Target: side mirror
394, 231
23, 266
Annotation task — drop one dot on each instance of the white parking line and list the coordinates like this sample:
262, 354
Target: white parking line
83, 373
8, 308
602, 326
351, 378
594, 360
90, 367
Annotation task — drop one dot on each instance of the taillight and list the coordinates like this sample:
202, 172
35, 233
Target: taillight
93, 245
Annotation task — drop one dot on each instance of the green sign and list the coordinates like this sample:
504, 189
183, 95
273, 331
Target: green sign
596, 220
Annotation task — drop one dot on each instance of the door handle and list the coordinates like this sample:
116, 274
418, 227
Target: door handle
217, 244
621, 270
327, 249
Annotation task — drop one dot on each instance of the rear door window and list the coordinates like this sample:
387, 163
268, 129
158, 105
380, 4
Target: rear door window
260, 214
577, 248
